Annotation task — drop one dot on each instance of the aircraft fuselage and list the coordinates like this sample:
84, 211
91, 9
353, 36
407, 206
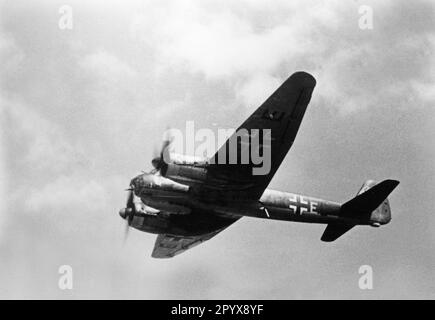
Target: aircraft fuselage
165, 206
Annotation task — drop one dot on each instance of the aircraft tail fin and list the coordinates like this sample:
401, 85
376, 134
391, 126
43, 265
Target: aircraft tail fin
370, 204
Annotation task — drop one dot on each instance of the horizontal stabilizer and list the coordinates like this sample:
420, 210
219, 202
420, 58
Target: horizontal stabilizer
367, 202
335, 230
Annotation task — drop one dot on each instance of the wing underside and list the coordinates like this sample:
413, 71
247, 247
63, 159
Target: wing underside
281, 114
168, 246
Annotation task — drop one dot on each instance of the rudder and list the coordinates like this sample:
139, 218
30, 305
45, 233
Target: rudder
370, 204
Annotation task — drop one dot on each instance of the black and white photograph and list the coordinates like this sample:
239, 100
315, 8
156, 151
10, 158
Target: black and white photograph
207, 150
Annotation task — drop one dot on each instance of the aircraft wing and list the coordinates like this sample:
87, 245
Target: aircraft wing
168, 246
282, 114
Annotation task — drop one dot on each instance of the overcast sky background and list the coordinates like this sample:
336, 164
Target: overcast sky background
82, 109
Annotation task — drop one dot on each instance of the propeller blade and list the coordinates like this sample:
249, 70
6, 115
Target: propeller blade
130, 203
126, 231
162, 158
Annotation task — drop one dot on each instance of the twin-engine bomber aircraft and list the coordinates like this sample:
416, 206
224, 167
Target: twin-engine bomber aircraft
188, 202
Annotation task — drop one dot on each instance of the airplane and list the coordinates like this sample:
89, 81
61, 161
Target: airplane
187, 202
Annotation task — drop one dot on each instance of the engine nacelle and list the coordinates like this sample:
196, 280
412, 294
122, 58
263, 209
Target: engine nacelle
165, 206
182, 172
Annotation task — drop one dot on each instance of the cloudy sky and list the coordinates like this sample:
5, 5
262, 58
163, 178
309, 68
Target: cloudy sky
82, 109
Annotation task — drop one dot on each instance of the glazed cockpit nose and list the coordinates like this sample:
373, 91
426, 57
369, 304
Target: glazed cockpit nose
142, 181
136, 182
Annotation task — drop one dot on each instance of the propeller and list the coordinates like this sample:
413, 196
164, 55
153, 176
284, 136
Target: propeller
162, 158
126, 232
128, 212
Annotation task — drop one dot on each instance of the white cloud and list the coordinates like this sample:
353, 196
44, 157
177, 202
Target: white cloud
3, 180
220, 43
105, 67
44, 145
65, 195
241, 41
257, 89
10, 55
46, 169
